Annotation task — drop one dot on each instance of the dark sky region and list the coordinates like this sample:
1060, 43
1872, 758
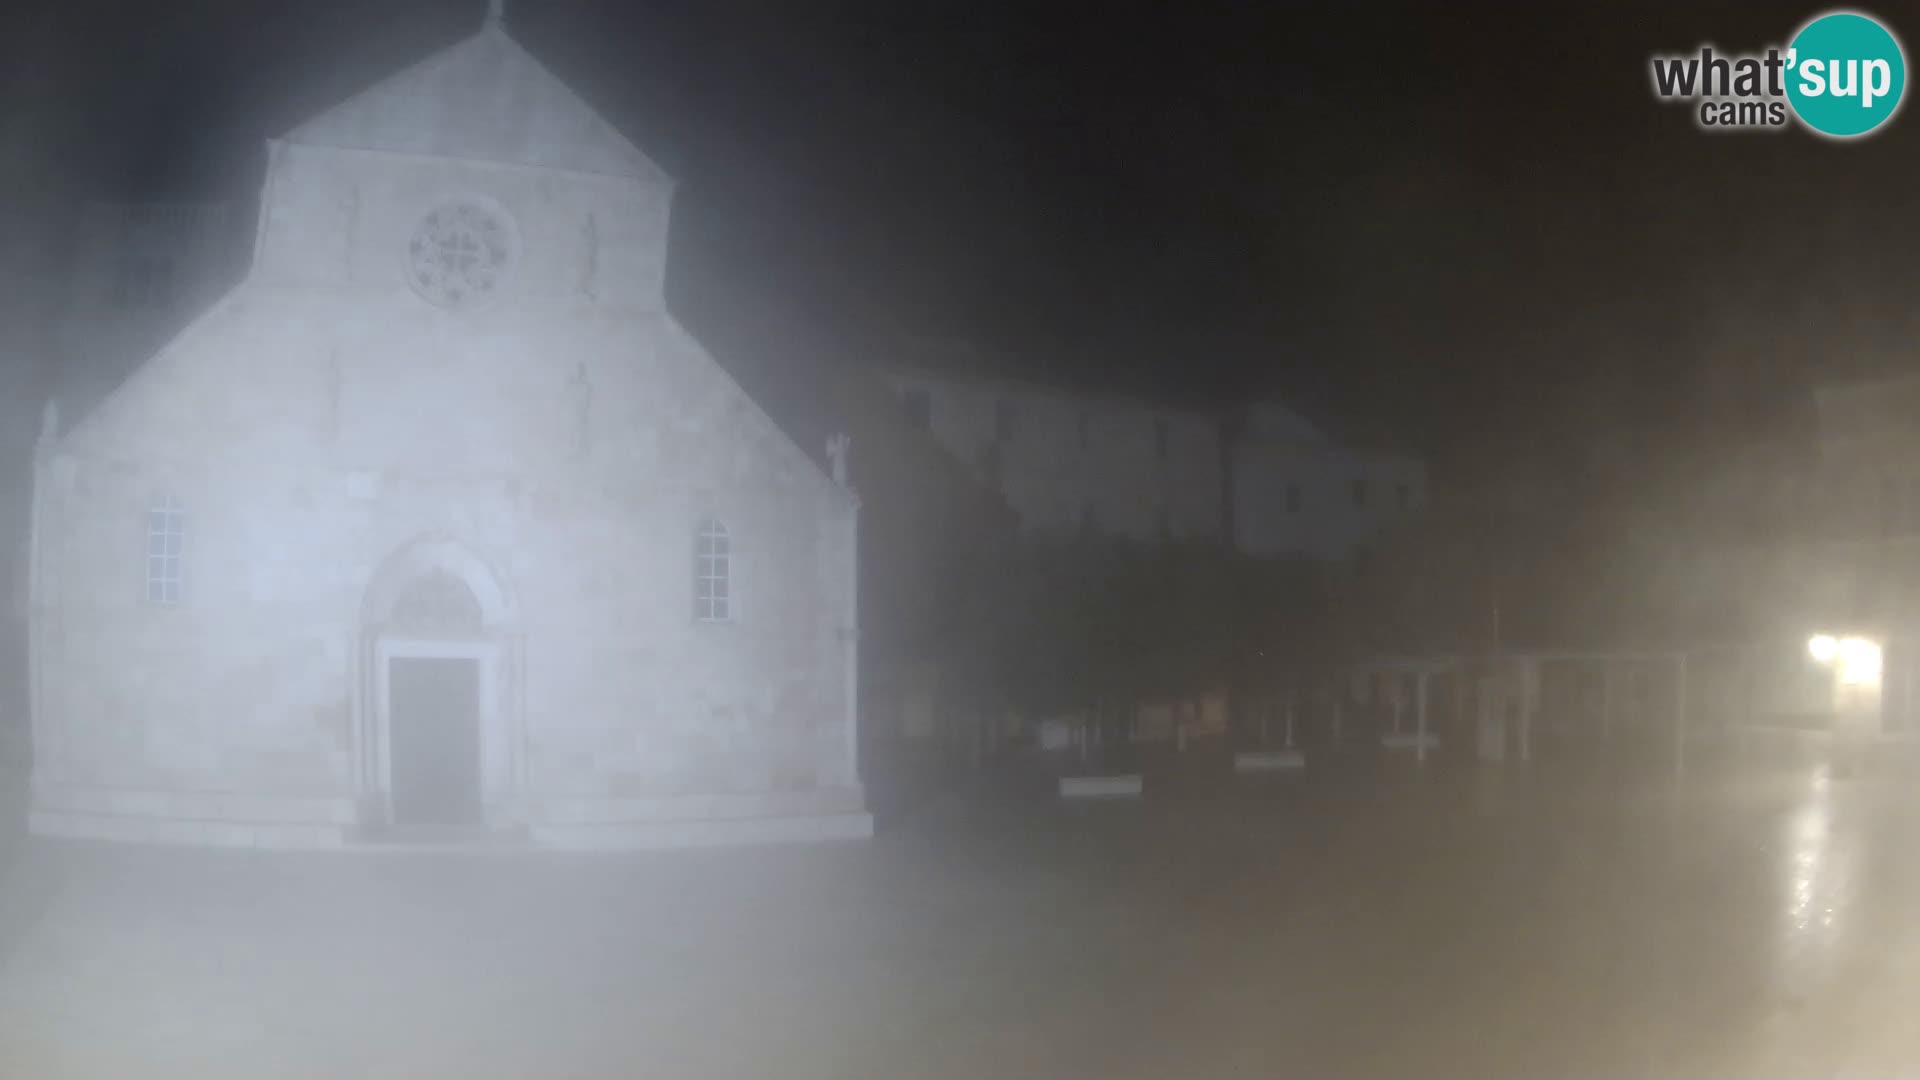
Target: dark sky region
1471, 228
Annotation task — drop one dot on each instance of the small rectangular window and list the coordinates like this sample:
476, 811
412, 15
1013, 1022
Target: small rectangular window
713, 573
1360, 492
1004, 420
1160, 434
166, 551
919, 405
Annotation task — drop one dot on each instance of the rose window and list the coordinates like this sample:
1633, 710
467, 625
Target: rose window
459, 254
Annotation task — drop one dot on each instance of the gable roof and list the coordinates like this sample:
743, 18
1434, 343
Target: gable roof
487, 99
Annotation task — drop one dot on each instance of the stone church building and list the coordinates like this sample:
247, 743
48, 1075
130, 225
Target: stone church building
439, 525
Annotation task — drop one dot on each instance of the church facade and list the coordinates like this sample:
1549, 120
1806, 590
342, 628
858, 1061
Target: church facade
439, 524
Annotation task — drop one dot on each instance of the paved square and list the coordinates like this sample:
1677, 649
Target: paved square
1366, 921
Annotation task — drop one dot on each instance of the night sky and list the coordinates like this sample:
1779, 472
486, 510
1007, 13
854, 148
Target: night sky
1473, 232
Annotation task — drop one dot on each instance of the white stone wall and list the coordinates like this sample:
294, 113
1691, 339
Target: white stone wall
246, 685
323, 416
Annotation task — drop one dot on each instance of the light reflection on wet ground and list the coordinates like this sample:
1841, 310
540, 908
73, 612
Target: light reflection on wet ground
1366, 920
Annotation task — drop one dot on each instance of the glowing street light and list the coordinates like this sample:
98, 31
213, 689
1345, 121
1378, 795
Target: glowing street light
1855, 660
1859, 662
1823, 647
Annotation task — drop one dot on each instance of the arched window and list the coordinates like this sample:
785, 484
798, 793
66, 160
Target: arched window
437, 602
713, 573
166, 542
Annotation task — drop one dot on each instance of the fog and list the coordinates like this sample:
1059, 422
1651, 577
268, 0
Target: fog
572, 538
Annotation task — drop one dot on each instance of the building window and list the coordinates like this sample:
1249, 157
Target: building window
1004, 420
1293, 498
1360, 492
1160, 438
919, 407
166, 541
713, 573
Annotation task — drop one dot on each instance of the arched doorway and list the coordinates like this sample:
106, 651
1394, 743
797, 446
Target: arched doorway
440, 741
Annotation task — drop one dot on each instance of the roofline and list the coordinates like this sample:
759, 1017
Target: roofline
810, 464
62, 442
663, 180
489, 28
1060, 389
79, 421
1147, 403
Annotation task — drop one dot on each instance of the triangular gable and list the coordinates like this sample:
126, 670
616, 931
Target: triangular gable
485, 99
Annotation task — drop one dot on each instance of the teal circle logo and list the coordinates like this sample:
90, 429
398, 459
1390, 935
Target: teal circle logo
1845, 74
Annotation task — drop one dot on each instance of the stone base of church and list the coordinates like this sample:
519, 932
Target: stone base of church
210, 819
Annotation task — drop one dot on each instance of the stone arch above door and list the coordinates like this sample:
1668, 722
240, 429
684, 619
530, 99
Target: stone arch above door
435, 577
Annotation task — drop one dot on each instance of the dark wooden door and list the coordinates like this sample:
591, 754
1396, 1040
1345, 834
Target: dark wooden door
434, 732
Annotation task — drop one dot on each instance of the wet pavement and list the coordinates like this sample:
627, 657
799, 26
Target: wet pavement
1364, 919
